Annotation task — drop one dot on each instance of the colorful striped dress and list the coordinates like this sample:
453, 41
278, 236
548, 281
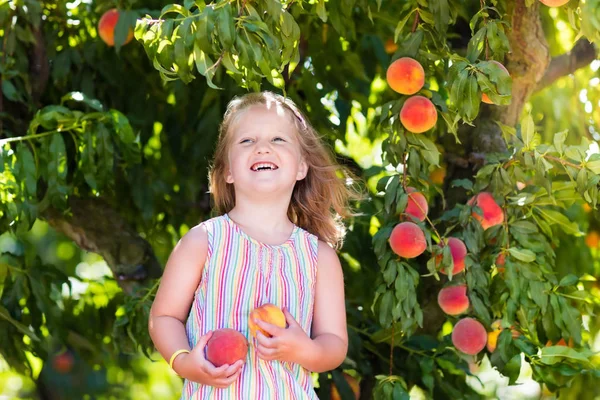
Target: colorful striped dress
239, 275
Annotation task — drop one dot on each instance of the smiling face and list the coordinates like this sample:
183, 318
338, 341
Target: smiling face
264, 152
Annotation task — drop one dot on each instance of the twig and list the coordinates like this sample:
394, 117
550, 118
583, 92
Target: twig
392, 351
485, 19
416, 22
561, 161
404, 167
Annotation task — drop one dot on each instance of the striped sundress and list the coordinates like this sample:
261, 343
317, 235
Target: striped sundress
239, 275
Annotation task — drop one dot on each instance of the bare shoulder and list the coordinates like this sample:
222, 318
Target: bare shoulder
327, 256
182, 274
195, 238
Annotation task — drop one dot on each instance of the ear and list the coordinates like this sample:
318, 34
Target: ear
302, 170
229, 176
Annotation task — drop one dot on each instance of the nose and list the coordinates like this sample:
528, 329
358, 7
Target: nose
263, 147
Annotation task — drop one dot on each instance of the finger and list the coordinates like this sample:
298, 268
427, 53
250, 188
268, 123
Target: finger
217, 372
233, 368
204, 339
289, 318
269, 328
235, 375
223, 383
266, 354
264, 341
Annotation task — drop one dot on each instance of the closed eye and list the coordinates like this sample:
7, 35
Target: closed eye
245, 140
279, 138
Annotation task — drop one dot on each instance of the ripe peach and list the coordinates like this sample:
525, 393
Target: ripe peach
417, 204
453, 300
592, 239
418, 114
63, 362
469, 336
354, 385
496, 330
561, 342
554, 3
500, 260
492, 339
106, 27
269, 313
484, 97
226, 346
458, 250
438, 175
492, 213
390, 47
408, 240
405, 76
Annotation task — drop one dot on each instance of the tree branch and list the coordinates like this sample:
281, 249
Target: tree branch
581, 55
95, 226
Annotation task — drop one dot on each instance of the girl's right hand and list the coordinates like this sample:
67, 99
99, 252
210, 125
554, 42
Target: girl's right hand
195, 367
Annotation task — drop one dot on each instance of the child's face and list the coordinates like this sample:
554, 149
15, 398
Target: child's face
264, 152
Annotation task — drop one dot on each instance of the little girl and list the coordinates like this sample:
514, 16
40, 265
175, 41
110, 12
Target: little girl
280, 201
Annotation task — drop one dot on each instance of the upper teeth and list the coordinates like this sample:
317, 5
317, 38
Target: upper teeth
256, 167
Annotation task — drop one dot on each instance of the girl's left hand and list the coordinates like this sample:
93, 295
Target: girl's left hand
285, 344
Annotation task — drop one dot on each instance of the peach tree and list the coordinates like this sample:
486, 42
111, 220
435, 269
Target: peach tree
472, 124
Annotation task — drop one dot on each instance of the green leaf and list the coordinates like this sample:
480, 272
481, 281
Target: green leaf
400, 26
512, 369
428, 149
441, 15
82, 98
527, 130
555, 217
321, 10
4, 314
463, 183
555, 354
225, 26
476, 45
569, 280
559, 140
10, 92
410, 46
25, 170
522, 254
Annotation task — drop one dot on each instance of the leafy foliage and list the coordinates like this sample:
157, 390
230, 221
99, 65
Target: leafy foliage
134, 126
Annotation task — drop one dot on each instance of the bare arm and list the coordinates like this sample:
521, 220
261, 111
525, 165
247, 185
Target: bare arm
329, 332
170, 311
176, 293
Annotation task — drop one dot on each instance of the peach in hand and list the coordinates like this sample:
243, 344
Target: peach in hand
405, 76
469, 336
226, 346
269, 313
453, 300
408, 240
418, 114
492, 213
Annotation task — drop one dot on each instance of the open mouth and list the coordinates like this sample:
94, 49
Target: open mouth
264, 166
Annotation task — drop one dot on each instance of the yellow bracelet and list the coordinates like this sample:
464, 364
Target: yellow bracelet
178, 352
